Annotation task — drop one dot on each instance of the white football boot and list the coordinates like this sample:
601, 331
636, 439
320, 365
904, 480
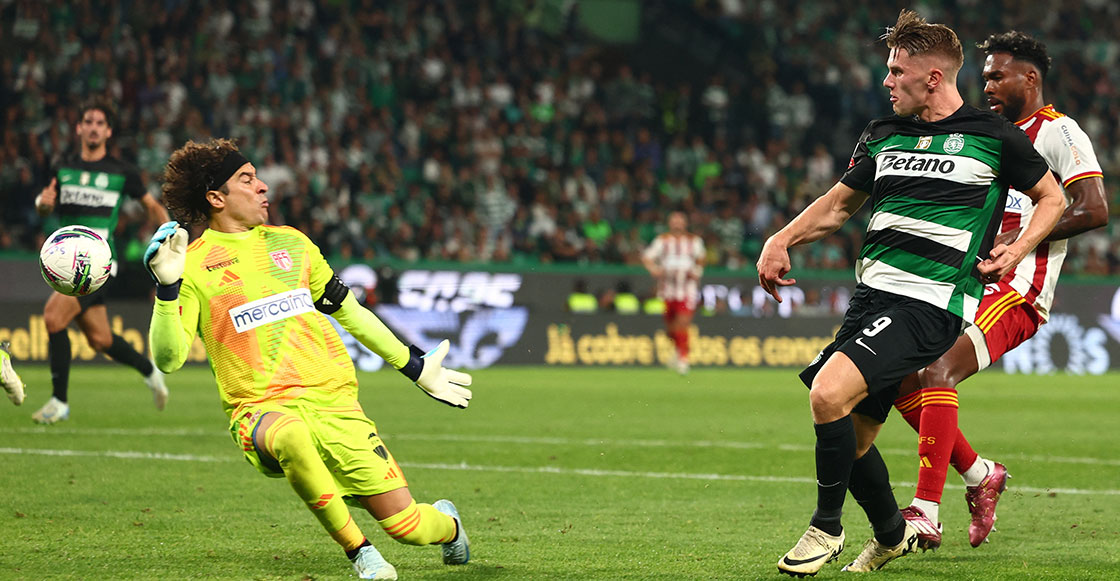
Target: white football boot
9, 379
457, 551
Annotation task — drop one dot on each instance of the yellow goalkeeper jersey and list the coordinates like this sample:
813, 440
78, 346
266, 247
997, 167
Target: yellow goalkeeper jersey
250, 297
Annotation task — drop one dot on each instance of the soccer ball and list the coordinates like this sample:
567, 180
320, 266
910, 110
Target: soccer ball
75, 261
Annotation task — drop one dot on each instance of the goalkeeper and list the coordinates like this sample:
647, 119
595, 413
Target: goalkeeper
257, 294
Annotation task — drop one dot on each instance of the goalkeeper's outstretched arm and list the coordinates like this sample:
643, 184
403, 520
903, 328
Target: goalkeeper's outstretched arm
424, 369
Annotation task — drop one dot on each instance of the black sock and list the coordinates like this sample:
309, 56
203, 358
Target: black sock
353, 553
871, 487
836, 449
58, 352
122, 352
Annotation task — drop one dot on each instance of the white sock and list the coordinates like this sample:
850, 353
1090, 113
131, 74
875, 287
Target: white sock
929, 507
979, 470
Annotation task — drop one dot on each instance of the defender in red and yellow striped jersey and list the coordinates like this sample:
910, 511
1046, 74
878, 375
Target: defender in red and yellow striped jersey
257, 296
1014, 307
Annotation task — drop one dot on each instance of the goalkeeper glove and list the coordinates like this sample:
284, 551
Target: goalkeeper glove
429, 374
166, 258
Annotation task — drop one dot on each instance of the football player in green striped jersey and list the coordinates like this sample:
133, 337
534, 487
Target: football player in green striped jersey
937, 174
88, 188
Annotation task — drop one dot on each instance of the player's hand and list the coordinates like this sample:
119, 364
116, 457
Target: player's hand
166, 255
446, 385
773, 264
1001, 261
44, 202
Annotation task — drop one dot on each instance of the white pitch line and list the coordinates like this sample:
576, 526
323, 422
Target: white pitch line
123, 454
550, 441
554, 470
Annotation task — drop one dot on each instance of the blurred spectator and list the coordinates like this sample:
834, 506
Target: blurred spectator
491, 130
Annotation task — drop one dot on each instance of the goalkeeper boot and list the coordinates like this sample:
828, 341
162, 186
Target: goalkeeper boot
875, 554
9, 379
158, 387
369, 564
458, 550
982, 501
929, 534
52, 412
812, 551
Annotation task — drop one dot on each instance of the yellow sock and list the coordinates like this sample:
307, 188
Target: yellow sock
419, 524
290, 443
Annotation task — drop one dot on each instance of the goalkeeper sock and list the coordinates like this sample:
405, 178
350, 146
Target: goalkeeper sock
58, 351
420, 524
290, 443
122, 352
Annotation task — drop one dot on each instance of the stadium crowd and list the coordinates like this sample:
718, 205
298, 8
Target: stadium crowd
503, 131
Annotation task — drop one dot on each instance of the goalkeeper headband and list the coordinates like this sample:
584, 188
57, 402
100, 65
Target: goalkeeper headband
225, 170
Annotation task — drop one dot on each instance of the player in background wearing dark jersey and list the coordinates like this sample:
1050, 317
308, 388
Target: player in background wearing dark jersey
937, 174
1013, 308
88, 189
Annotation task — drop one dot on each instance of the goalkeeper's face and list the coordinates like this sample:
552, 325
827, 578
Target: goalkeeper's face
246, 204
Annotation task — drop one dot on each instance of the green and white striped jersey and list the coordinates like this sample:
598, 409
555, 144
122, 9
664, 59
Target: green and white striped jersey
91, 193
937, 191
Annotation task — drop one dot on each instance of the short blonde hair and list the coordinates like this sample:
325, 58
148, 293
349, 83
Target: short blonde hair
916, 36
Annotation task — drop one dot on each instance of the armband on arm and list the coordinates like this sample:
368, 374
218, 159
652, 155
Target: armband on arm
333, 295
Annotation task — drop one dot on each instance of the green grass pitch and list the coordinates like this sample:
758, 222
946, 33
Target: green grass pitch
559, 474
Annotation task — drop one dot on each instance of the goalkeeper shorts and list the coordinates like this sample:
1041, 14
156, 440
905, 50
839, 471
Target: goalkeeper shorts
345, 438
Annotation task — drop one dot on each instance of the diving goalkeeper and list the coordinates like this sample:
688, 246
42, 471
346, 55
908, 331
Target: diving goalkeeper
257, 295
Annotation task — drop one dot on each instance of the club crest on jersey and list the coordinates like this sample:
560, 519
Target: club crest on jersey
281, 259
924, 142
954, 143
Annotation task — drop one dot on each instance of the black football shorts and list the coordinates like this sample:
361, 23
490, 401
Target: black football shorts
888, 337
